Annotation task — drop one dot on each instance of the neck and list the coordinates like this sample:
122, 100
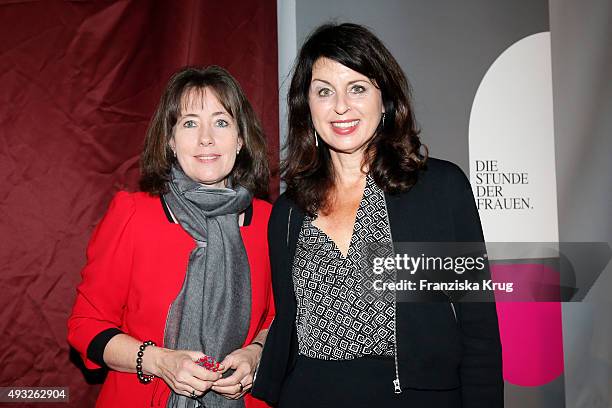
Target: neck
348, 168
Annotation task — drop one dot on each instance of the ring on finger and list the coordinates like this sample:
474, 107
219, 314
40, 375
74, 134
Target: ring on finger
193, 394
241, 386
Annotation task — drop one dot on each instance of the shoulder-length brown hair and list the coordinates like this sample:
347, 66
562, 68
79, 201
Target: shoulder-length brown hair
392, 155
251, 168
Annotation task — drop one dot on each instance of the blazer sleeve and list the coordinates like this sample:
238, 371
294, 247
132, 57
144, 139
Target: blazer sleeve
101, 296
256, 243
270, 313
277, 352
481, 376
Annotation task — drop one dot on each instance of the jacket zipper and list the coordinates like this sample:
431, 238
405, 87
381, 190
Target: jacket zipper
288, 224
452, 305
397, 386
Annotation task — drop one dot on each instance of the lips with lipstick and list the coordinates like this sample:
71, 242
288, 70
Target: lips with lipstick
207, 158
345, 127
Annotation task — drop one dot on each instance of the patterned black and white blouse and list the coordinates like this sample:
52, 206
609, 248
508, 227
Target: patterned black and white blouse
339, 316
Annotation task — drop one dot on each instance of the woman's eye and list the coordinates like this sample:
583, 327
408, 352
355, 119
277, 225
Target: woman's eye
358, 89
221, 123
190, 124
324, 92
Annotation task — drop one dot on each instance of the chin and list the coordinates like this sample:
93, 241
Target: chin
347, 147
210, 181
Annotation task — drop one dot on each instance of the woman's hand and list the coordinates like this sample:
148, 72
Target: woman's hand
244, 361
179, 370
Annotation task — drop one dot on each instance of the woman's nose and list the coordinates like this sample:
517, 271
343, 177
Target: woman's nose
341, 106
206, 138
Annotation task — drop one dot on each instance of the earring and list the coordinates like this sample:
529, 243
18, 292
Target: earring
316, 137
383, 119
237, 152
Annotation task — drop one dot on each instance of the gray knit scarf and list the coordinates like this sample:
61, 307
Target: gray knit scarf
212, 311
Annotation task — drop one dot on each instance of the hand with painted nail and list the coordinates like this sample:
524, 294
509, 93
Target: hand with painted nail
179, 369
244, 361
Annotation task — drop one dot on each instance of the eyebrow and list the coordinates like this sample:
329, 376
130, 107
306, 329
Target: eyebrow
193, 115
350, 82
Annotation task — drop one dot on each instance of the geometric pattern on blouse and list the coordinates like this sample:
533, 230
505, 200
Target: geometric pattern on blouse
339, 316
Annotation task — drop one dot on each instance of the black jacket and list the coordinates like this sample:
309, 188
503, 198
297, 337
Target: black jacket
436, 351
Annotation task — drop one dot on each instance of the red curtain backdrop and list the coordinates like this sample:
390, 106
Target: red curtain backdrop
79, 81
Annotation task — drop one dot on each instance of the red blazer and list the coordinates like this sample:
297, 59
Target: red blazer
136, 263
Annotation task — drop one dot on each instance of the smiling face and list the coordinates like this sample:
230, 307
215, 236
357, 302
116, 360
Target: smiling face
345, 106
205, 138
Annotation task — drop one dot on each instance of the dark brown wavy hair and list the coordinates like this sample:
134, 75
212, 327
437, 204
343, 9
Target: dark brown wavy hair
251, 168
393, 155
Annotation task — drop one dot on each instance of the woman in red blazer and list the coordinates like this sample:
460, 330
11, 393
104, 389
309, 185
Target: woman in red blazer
175, 298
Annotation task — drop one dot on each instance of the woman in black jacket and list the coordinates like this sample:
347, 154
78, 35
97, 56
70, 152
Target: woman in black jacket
356, 177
